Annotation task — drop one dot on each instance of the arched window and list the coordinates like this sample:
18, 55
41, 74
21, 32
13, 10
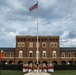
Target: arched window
69, 55
20, 54
54, 54
5, 55
63, 54
11, 55
30, 54
37, 54
44, 54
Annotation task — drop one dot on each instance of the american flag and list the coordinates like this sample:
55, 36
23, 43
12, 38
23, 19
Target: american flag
34, 7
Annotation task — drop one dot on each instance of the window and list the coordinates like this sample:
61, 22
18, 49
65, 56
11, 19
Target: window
37, 54
32, 39
30, 54
54, 44
44, 54
29, 39
21, 39
63, 54
56, 39
43, 45
24, 39
42, 39
53, 39
20, 54
69, 55
50, 39
5, 55
21, 44
11, 55
30, 44
45, 39
39, 39
54, 54
18, 39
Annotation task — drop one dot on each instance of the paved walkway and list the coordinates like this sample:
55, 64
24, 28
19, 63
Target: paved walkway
33, 73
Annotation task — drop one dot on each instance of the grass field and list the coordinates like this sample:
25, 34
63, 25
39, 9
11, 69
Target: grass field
71, 72
10, 72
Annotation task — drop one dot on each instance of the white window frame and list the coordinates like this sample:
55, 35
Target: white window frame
53, 44
30, 44
63, 55
54, 54
30, 52
70, 55
44, 53
43, 45
21, 44
11, 55
20, 54
4, 54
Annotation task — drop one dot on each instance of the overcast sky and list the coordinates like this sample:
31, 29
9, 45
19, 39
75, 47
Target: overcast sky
55, 18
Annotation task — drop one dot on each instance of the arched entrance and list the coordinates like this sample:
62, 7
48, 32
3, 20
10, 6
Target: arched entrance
44, 63
5, 62
63, 62
11, 62
20, 62
54, 62
30, 63
38, 63
70, 62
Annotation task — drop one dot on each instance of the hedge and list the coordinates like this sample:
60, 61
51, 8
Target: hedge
20, 67
64, 67
11, 66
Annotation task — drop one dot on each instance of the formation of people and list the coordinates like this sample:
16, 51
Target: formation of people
38, 68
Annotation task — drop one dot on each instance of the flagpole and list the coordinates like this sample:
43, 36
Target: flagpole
37, 37
37, 45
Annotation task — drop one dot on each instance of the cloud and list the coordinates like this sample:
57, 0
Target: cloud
55, 17
68, 43
47, 3
15, 5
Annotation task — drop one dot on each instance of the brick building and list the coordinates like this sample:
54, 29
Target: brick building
49, 51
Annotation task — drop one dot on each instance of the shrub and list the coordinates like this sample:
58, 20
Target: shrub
65, 67
11, 67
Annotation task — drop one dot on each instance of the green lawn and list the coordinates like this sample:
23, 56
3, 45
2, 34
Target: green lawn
71, 72
11, 72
